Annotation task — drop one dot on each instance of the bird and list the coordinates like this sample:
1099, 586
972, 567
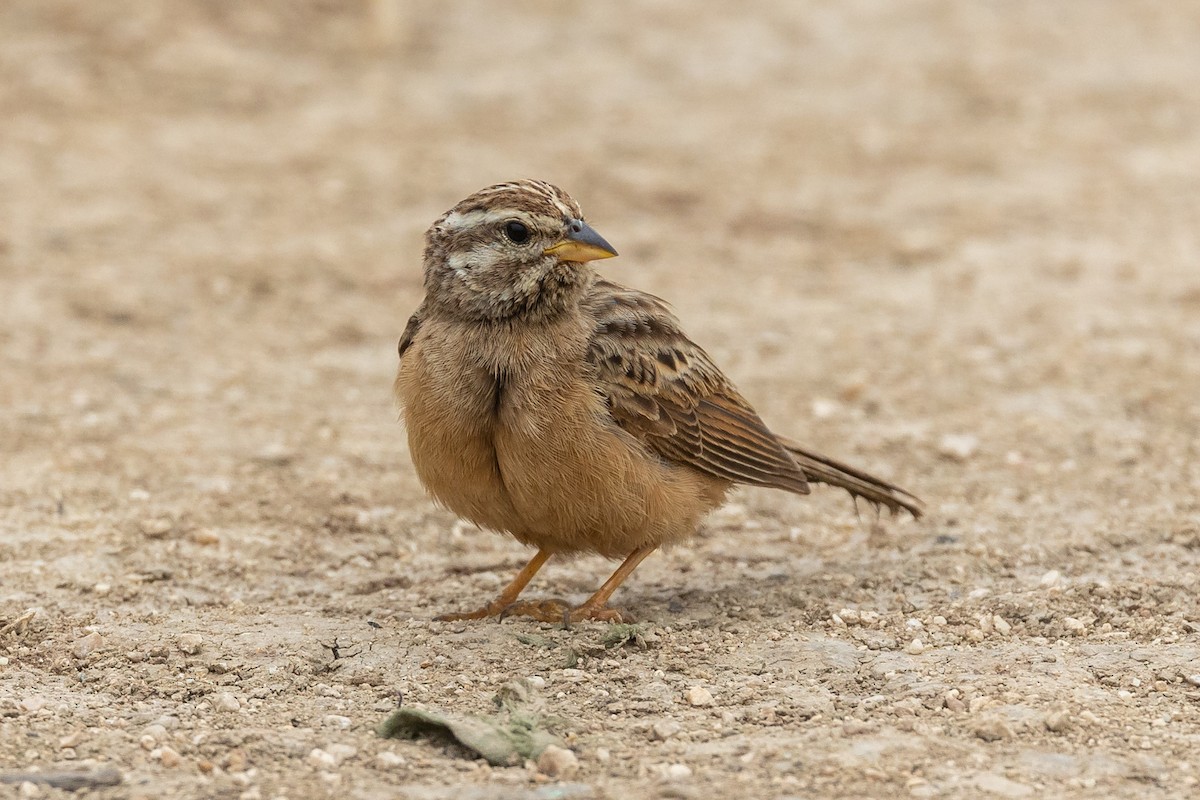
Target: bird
543, 401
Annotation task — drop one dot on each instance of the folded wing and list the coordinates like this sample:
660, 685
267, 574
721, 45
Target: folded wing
665, 390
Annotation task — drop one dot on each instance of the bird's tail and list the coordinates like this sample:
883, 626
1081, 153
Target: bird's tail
822, 469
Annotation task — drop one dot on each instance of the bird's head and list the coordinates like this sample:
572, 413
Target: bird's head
512, 250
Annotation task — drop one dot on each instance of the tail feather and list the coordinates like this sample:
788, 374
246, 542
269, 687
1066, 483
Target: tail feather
822, 469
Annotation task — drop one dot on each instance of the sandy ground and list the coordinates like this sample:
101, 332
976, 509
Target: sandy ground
957, 243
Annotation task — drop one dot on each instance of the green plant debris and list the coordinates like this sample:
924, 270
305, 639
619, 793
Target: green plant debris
509, 738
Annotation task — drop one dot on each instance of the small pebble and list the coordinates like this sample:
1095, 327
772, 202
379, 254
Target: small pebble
168, 757
224, 701
1001, 625
321, 759
958, 446
1057, 721
32, 705
341, 752
665, 729
72, 740
915, 647
993, 730
336, 721
557, 762
699, 696
823, 408
276, 454
1051, 578
29, 789
679, 772
386, 759
536, 682
205, 536
1074, 625
189, 643
87, 645
975, 635
1194, 680
156, 731
992, 784
156, 528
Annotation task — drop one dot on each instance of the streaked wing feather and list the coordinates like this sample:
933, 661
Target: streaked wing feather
410, 331
665, 390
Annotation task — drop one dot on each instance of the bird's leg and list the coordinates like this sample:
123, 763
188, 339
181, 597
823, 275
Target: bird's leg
594, 608
507, 597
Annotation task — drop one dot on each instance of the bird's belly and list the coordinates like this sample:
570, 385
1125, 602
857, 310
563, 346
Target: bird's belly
540, 460
579, 484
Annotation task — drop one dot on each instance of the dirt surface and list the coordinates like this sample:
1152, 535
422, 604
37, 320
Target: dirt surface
955, 243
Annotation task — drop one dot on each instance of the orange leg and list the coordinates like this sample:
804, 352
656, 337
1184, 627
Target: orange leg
506, 597
594, 608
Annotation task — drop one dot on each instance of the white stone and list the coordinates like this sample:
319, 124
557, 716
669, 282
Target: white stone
225, 701
386, 759
557, 762
665, 729
341, 752
189, 643
321, 759
958, 446
679, 772
1051, 578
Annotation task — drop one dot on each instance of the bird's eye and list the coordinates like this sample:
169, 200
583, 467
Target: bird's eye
516, 232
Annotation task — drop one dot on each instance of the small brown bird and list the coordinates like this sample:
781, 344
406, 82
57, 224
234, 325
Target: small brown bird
569, 412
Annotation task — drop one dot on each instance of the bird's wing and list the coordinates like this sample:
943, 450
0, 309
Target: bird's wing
665, 390
410, 331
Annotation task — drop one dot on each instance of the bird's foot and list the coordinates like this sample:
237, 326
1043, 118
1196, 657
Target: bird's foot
556, 611
492, 609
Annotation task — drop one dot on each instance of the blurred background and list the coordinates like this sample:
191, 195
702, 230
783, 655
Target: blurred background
211, 212
956, 243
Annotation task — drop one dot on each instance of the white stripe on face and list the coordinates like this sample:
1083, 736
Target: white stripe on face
459, 221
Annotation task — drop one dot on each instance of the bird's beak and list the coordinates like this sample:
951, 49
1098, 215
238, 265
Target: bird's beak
580, 244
